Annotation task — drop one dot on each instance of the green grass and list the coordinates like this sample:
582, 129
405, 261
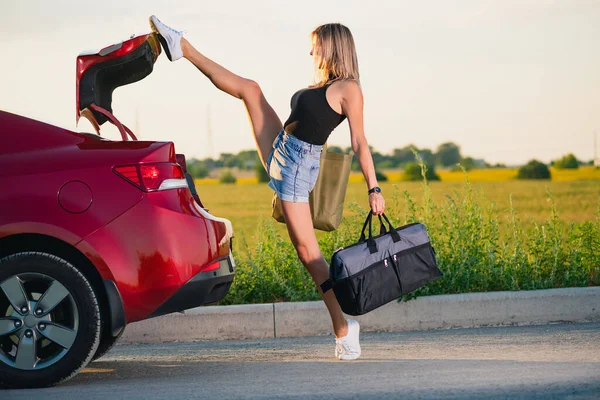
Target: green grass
513, 235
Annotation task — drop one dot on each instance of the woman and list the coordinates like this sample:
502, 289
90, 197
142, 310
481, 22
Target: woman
291, 154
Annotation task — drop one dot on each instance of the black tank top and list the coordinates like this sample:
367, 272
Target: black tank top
312, 119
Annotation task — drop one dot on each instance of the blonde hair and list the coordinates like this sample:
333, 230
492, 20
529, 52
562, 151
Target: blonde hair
334, 54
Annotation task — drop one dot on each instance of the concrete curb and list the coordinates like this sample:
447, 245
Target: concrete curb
205, 323
259, 321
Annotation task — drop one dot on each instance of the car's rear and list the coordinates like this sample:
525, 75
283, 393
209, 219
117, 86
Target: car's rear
95, 223
165, 253
96, 233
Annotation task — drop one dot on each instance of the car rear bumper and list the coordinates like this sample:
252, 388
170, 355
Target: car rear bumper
159, 247
203, 288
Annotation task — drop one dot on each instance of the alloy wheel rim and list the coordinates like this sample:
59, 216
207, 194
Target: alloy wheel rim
39, 321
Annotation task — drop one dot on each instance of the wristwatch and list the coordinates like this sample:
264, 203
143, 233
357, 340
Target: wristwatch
376, 189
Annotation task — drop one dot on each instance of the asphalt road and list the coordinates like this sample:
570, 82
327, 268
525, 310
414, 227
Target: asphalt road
542, 362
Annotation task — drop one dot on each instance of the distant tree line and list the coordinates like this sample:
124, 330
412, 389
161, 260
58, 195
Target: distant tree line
447, 155
244, 160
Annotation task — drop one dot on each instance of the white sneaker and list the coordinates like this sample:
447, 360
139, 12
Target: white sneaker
169, 38
348, 347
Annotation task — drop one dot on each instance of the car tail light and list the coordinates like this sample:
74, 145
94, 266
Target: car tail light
212, 267
152, 177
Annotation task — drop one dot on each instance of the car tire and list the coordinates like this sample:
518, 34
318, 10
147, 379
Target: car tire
107, 341
56, 331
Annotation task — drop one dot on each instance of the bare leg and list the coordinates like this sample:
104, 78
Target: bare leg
302, 234
263, 119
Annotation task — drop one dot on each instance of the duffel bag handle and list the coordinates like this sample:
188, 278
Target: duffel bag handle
382, 228
362, 231
395, 235
370, 241
363, 237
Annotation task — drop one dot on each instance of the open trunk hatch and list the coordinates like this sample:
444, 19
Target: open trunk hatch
100, 73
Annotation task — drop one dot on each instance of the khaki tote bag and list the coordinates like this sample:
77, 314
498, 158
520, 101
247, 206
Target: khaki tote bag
327, 197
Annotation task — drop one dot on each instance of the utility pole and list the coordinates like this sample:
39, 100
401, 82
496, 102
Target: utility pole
210, 145
596, 161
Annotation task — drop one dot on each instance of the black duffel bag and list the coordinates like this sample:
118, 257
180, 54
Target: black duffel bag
379, 269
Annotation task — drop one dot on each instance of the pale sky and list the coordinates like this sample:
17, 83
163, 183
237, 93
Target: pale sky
507, 80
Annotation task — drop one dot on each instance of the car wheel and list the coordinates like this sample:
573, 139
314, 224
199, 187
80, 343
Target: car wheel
107, 341
49, 320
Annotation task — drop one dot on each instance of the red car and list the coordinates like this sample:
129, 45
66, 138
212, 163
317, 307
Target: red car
96, 233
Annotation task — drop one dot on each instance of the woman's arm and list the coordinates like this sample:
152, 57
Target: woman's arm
352, 107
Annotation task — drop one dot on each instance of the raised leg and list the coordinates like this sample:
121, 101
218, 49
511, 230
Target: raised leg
302, 234
264, 121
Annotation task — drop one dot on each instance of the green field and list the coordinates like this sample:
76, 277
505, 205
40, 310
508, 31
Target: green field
489, 236
576, 201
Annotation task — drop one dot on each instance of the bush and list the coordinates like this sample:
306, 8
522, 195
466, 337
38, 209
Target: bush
261, 172
448, 154
466, 164
381, 177
534, 170
227, 177
198, 170
567, 162
413, 172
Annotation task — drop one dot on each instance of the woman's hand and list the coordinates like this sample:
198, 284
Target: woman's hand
377, 203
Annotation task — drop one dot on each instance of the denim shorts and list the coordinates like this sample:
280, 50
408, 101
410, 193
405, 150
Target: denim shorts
293, 167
